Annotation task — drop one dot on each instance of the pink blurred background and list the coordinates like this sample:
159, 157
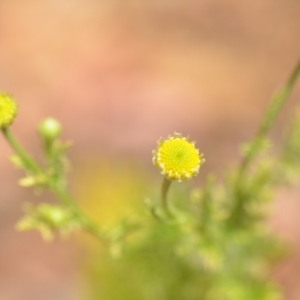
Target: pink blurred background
120, 74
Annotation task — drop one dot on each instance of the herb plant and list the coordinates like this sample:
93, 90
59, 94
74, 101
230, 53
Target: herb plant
212, 243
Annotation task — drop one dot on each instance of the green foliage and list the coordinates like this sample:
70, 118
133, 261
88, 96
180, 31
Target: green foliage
215, 245
218, 247
48, 219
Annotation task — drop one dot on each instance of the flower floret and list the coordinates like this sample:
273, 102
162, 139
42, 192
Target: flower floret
177, 158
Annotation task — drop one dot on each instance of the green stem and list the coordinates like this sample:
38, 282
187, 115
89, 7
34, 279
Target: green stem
164, 193
275, 106
273, 110
86, 223
26, 158
57, 189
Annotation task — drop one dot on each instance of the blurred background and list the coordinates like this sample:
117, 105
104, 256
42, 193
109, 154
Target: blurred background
120, 74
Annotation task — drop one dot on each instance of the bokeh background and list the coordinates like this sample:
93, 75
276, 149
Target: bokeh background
120, 74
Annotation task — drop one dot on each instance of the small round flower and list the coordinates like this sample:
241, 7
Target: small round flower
49, 129
8, 110
177, 158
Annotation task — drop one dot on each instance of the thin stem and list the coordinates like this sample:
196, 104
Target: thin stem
277, 102
273, 110
26, 158
275, 106
164, 193
55, 186
69, 202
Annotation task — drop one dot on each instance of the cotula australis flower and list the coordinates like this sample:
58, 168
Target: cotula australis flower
8, 110
177, 158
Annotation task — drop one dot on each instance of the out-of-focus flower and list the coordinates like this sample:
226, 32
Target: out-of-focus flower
49, 129
8, 110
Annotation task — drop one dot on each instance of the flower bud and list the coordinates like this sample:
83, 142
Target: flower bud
8, 110
49, 129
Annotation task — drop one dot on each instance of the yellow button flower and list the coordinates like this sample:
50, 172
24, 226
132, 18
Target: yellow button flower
177, 158
8, 110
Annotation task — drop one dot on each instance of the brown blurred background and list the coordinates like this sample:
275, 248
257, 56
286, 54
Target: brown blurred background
120, 74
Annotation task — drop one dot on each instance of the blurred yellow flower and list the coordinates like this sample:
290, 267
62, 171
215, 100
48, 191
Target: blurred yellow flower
8, 110
177, 158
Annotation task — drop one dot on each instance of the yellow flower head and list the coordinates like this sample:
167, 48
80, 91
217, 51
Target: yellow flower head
8, 110
177, 158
